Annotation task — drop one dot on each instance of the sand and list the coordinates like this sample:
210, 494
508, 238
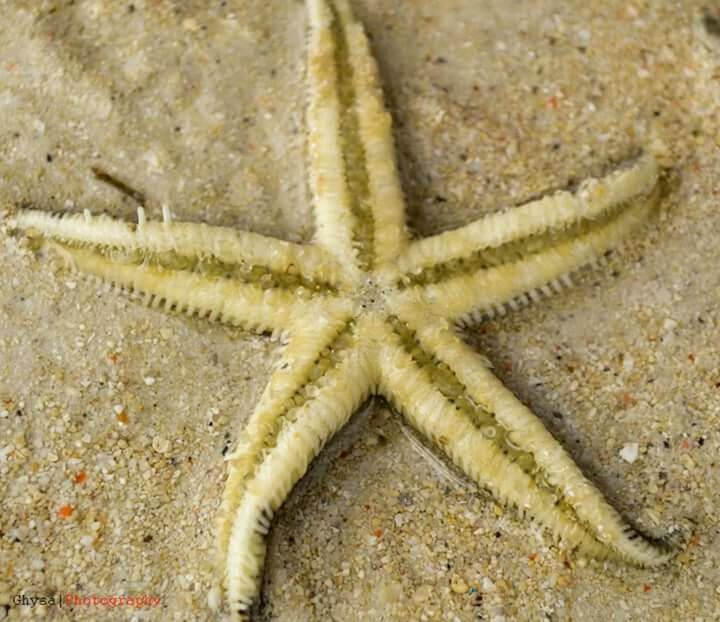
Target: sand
114, 418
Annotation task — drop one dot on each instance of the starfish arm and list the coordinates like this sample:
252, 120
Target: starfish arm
556, 212
283, 437
353, 174
447, 391
375, 135
313, 337
249, 256
452, 422
516, 273
248, 306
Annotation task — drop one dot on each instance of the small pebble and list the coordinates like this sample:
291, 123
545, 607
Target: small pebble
160, 444
629, 452
422, 594
669, 325
458, 585
190, 24
214, 598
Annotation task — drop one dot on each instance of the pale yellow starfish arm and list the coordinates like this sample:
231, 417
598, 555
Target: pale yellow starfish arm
353, 174
376, 138
314, 338
334, 218
553, 212
245, 253
468, 372
528, 274
468, 435
289, 447
248, 306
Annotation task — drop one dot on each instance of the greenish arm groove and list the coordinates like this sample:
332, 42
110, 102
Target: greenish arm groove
343, 389
307, 359
466, 297
187, 245
374, 132
555, 212
238, 304
528, 434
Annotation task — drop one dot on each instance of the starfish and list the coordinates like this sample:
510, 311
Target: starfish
366, 310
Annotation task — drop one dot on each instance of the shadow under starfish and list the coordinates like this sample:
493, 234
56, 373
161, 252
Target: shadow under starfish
364, 310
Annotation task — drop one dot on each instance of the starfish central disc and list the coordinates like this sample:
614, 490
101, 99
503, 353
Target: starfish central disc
371, 294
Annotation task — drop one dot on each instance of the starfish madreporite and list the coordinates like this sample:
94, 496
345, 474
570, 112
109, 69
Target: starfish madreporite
365, 310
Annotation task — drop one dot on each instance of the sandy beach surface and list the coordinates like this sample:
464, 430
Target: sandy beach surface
114, 418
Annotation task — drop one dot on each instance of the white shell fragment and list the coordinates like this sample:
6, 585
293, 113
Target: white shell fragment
630, 452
